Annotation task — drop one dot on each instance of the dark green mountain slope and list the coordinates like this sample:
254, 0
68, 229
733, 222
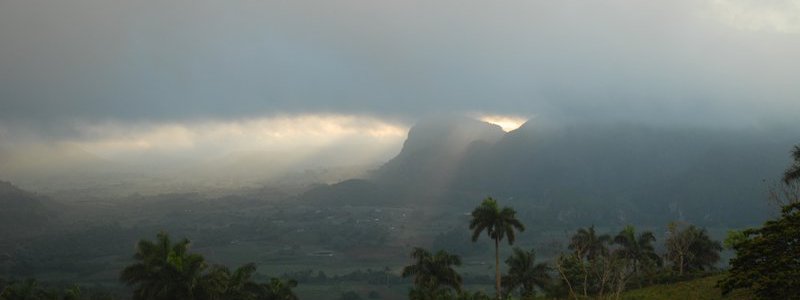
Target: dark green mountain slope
581, 174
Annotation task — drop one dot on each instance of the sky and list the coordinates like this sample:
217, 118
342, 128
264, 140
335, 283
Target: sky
126, 79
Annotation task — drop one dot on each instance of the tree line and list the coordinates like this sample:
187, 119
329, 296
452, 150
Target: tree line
596, 265
166, 270
767, 258
767, 262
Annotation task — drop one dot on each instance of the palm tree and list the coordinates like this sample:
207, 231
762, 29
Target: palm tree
636, 249
164, 270
498, 223
525, 273
793, 173
277, 289
432, 272
586, 243
221, 283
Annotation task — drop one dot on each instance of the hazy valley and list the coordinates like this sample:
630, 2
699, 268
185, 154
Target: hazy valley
558, 179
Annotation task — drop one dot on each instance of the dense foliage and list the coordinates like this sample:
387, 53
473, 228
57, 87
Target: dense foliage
524, 274
793, 172
768, 260
433, 274
639, 249
601, 266
164, 270
690, 248
31, 289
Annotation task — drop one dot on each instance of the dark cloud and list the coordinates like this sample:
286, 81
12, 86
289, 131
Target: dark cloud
67, 62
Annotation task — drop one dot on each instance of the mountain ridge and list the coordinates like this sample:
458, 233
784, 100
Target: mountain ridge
21, 211
591, 173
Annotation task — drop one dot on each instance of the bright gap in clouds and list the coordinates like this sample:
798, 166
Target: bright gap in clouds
164, 157
507, 123
341, 138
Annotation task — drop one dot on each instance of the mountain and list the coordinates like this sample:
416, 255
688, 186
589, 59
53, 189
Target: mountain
435, 149
580, 173
633, 173
21, 212
52, 166
422, 172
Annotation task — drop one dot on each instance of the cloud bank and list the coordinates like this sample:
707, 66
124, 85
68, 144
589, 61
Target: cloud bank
201, 78
703, 62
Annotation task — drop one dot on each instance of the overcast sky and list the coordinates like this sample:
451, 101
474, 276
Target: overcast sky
96, 71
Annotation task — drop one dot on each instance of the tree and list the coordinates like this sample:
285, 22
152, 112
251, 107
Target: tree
793, 172
525, 274
567, 267
467, 295
277, 289
432, 273
31, 289
164, 270
733, 238
636, 249
73, 293
705, 251
677, 244
223, 284
498, 224
768, 258
28, 289
787, 190
586, 244
690, 248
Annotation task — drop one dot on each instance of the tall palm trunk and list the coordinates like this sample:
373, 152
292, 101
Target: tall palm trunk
497, 266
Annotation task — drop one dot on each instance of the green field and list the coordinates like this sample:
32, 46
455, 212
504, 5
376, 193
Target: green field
697, 289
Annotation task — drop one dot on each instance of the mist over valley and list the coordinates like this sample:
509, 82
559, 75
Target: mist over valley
356, 149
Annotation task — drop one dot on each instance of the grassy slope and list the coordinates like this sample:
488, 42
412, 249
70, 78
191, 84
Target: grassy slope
700, 289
